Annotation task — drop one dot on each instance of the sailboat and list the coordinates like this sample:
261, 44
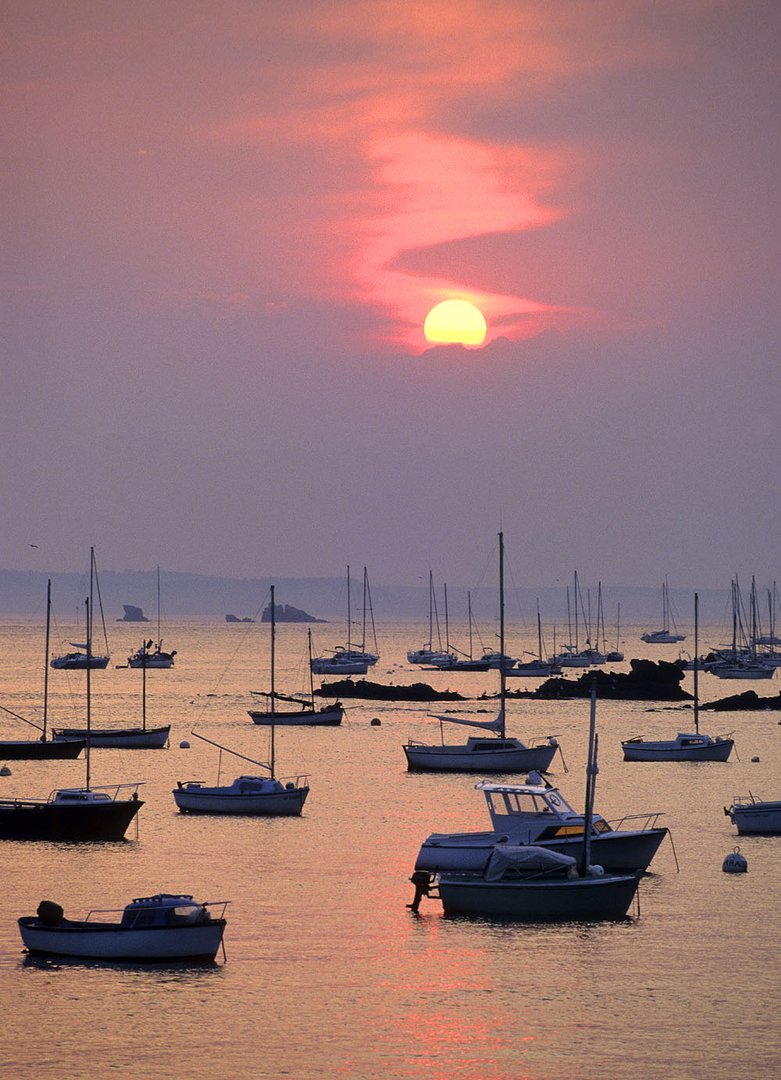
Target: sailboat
669, 633
537, 667
450, 660
427, 654
616, 655
350, 659
531, 883
686, 746
771, 637
741, 661
157, 658
492, 753
78, 661
88, 813
42, 748
307, 714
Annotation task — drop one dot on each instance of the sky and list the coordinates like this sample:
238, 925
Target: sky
225, 225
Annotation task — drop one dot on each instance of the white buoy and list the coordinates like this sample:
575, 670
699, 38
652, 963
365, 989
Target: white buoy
735, 863
5, 771
184, 745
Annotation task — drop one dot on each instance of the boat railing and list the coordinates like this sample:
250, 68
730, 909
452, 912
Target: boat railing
215, 909
301, 780
112, 789
637, 822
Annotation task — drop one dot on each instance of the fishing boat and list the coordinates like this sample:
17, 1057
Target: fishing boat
494, 753
427, 655
531, 883
149, 929
537, 813
352, 658
125, 738
308, 714
42, 748
755, 817
668, 634
686, 746
260, 796
80, 660
157, 657
87, 813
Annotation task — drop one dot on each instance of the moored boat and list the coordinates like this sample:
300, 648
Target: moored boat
755, 817
149, 929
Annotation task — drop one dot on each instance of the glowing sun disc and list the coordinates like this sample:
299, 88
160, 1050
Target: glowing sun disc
455, 322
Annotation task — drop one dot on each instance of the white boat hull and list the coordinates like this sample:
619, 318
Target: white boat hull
282, 803
672, 750
114, 943
480, 755
330, 717
538, 900
117, 738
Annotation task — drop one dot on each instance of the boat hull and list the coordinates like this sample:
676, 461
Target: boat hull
329, 717
117, 738
36, 750
111, 942
29, 819
479, 756
538, 900
714, 751
275, 804
757, 819
616, 851
151, 662
328, 667
79, 663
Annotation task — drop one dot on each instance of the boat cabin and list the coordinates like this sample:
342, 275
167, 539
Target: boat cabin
164, 910
534, 810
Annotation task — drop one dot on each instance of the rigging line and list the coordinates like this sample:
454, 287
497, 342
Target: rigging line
100, 604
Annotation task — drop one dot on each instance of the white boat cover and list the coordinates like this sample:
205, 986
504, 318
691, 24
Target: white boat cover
524, 857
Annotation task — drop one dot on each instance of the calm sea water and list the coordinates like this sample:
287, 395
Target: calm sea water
328, 973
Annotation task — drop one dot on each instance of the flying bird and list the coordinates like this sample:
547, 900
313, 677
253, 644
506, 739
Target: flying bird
32, 545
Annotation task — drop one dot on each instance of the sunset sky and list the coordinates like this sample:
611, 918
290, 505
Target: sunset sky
225, 225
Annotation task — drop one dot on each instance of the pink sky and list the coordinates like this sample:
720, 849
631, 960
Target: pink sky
224, 228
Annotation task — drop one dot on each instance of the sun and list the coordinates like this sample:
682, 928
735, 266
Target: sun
455, 322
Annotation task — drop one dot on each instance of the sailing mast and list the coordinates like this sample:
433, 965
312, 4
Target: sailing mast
46, 658
159, 641
502, 670
591, 773
273, 666
696, 664
88, 606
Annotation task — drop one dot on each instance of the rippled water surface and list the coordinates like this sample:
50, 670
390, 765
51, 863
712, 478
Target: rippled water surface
328, 973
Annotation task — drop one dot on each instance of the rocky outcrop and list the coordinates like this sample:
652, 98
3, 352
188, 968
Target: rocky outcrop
288, 613
362, 688
235, 618
748, 701
133, 614
648, 680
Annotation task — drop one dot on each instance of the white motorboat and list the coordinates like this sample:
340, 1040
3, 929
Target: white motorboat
307, 714
537, 813
495, 753
149, 929
755, 817
531, 883
686, 746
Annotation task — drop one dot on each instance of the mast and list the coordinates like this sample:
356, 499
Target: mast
575, 600
539, 632
158, 608
311, 675
469, 615
696, 663
447, 624
273, 665
569, 620
349, 613
431, 609
502, 673
144, 647
591, 774
46, 658
88, 606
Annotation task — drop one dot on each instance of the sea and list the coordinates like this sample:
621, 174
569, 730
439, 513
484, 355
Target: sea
328, 972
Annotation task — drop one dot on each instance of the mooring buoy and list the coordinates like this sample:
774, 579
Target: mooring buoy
735, 863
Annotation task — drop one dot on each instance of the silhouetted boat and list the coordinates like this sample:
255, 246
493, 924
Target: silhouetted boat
308, 714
